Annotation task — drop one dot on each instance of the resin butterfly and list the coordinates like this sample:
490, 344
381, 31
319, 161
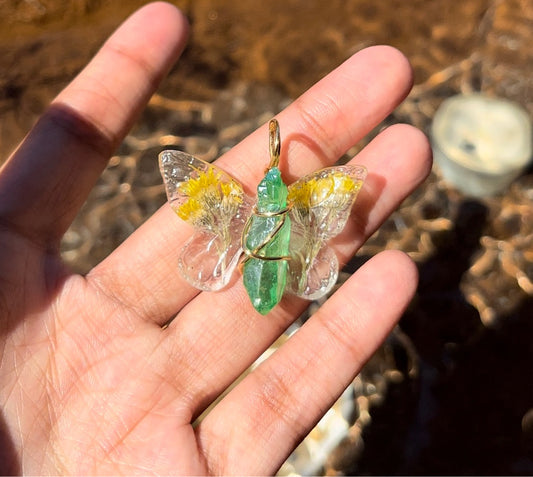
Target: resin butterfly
280, 240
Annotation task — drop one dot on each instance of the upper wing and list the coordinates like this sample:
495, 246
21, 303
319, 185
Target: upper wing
216, 206
320, 206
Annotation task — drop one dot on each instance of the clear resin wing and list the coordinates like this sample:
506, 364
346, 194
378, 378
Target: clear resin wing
320, 206
216, 206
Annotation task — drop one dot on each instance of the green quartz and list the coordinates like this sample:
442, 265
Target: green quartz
265, 280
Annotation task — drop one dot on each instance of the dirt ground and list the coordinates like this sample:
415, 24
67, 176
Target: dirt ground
43, 43
450, 391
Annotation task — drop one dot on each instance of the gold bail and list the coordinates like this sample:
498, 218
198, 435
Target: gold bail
275, 143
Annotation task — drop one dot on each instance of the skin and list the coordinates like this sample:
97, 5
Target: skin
90, 381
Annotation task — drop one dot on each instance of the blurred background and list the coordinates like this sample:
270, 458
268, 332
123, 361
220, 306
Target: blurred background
451, 390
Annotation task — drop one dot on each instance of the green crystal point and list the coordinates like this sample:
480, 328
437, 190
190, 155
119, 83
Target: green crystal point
265, 280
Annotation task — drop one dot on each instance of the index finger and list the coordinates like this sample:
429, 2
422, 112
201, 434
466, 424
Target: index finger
48, 178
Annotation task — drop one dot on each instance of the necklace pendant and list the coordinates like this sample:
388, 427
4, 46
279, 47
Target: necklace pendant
281, 243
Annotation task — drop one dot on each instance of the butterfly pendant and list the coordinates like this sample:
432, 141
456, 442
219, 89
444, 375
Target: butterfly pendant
280, 241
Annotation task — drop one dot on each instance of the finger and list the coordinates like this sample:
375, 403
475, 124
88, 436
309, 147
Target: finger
232, 334
47, 179
316, 129
273, 408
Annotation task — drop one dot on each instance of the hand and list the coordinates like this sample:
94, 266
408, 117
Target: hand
91, 382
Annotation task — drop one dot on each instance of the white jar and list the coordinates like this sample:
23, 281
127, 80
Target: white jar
480, 143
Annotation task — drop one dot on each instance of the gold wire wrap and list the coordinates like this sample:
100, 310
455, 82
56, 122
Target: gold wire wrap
275, 148
275, 143
255, 252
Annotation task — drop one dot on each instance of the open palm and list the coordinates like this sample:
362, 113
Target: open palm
90, 380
